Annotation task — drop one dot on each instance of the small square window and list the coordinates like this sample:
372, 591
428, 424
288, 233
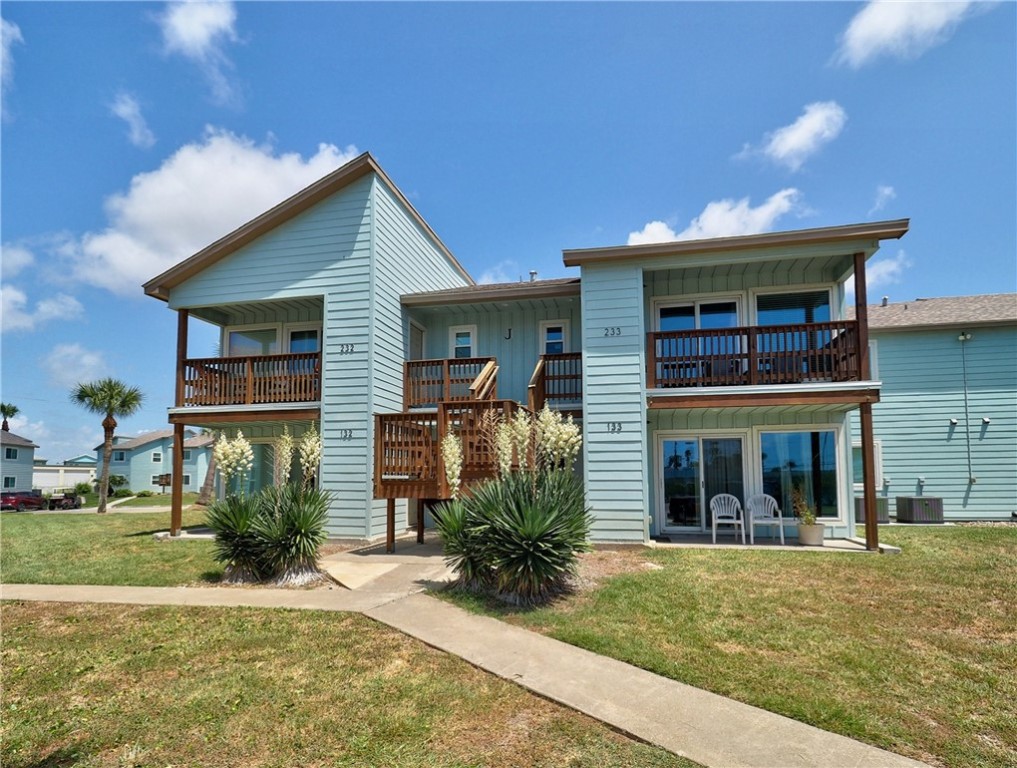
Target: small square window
462, 341
157, 458
119, 455
10, 482
155, 479
187, 480
11, 454
187, 454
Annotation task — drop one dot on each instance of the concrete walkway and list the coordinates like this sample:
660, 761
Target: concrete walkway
709, 729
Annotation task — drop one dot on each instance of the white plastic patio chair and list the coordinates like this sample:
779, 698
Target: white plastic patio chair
763, 509
727, 510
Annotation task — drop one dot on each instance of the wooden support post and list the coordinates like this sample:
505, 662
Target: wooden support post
182, 316
865, 410
177, 481
390, 526
421, 506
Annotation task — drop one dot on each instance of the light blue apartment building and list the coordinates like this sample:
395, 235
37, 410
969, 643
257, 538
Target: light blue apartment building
695, 368
146, 461
17, 458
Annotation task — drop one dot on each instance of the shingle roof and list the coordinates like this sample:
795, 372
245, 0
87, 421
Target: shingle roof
198, 441
9, 438
987, 309
137, 442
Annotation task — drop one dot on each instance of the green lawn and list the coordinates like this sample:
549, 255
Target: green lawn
115, 548
158, 500
915, 653
111, 685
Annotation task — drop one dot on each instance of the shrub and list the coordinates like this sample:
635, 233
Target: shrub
462, 535
520, 533
272, 535
291, 527
122, 493
82, 489
238, 546
145, 494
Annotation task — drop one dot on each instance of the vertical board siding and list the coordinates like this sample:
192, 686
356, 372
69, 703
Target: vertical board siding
615, 462
406, 260
517, 356
922, 390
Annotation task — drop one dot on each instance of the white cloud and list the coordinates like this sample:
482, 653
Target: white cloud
14, 258
199, 31
724, 218
791, 145
884, 194
203, 191
69, 364
506, 271
902, 29
10, 33
18, 317
36, 431
880, 273
126, 107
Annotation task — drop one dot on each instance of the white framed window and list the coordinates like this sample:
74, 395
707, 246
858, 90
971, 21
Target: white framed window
187, 480
187, 454
251, 340
305, 337
10, 482
11, 454
554, 337
156, 457
802, 460
156, 479
462, 341
119, 455
856, 464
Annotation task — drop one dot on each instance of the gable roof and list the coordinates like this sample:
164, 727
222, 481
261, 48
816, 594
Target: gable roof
876, 230
15, 441
160, 286
986, 309
137, 442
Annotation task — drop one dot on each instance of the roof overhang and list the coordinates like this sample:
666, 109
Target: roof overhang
482, 294
873, 231
160, 287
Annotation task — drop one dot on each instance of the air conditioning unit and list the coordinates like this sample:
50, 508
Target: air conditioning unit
919, 509
882, 509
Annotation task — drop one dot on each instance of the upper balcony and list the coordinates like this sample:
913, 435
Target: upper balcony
251, 380
754, 356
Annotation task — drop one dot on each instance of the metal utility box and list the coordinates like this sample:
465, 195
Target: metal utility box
919, 509
882, 509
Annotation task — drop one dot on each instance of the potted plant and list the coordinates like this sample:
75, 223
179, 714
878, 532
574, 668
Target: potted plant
810, 533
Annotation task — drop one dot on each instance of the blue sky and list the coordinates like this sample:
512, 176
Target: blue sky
133, 134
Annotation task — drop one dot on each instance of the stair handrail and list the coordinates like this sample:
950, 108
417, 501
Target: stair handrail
485, 386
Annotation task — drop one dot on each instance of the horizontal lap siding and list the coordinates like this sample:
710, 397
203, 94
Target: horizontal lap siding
922, 390
517, 355
322, 252
615, 463
406, 260
20, 468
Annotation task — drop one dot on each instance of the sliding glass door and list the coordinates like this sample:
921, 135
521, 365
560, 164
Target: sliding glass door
693, 470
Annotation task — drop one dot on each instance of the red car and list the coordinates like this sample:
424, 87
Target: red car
21, 500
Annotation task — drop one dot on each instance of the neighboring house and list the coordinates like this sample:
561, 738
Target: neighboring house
946, 424
145, 460
699, 367
84, 460
17, 458
47, 476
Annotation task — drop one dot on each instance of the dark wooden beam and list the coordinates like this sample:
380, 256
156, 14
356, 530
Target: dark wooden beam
177, 481
865, 411
241, 416
421, 506
755, 399
182, 316
390, 526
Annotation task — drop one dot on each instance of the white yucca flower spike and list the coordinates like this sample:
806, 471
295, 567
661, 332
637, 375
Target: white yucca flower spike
310, 454
452, 457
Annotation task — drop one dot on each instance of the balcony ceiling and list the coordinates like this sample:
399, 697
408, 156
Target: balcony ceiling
777, 271
299, 309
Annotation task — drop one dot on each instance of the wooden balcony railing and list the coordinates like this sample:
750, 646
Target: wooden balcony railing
407, 447
557, 381
294, 378
429, 382
761, 355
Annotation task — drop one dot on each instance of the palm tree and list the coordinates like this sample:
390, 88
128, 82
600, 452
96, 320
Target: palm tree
110, 398
8, 411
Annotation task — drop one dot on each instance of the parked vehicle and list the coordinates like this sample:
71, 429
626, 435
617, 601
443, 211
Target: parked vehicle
22, 500
64, 498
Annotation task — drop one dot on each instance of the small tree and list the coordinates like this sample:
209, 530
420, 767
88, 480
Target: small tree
110, 398
8, 411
